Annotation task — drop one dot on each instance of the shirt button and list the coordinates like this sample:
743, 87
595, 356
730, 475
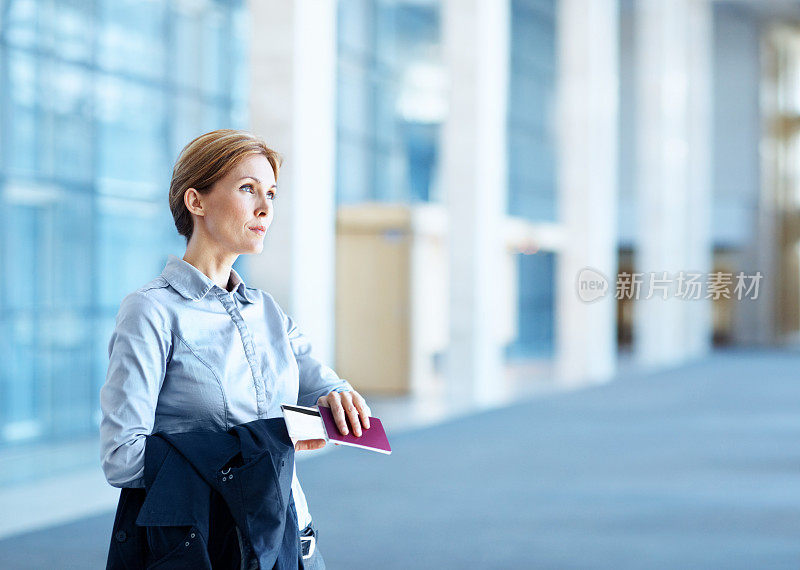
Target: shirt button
192, 535
122, 536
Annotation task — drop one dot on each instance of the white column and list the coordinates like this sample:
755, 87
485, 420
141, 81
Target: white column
292, 105
588, 93
476, 37
700, 253
673, 182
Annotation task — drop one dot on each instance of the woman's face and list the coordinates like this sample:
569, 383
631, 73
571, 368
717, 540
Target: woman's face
240, 201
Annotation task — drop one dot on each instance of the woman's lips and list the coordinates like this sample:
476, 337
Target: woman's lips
259, 231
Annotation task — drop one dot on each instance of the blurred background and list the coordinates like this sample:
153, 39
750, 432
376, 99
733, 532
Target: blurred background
450, 167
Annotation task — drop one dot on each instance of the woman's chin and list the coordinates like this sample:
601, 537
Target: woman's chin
255, 247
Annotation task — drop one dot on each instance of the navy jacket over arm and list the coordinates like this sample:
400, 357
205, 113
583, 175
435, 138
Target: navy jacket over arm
210, 500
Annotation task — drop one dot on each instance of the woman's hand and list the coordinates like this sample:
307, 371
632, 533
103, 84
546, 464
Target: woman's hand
309, 444
343, 405
350, 405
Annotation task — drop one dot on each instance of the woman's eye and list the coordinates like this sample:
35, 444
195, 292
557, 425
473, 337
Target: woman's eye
271, 195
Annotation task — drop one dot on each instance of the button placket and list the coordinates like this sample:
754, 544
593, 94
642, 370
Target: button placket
249, 351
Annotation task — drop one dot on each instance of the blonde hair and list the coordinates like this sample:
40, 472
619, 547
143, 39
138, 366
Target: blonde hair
207, 159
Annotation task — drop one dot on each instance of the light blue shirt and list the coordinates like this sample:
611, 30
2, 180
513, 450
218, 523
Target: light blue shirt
186, 354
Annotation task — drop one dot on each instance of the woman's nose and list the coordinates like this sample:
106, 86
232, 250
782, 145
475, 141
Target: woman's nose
263, 208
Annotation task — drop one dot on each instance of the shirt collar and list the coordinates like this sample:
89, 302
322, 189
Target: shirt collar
193, 284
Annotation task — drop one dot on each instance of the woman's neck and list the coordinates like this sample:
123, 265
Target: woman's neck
216, 267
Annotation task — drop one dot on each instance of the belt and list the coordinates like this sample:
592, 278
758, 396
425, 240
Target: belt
308, 541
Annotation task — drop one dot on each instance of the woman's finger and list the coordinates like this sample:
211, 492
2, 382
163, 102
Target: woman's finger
309, 444
337, 411
352, 412
363, 409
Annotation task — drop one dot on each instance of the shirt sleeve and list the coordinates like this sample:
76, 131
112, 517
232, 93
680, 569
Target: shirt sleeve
138, 352
316, 379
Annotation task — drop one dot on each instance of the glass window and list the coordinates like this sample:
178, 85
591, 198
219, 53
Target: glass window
354, 96
356, 30
62, 238
20, 22
391, 101
199, 37
63, 355
65, 93
132, 37
194, 116
21, 115
536, 323
19, 406
214, 51
130, 245
131, 127
531, 137
89, 142
55, 27
532, 192
65, 29
237, 66
354, 173
19, 253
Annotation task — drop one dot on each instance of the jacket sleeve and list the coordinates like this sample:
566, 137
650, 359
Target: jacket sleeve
138, 352
316, 379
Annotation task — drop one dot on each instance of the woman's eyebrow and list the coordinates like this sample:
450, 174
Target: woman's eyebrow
257, 180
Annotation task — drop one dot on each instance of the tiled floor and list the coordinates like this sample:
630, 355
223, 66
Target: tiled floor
72, 462
692, 467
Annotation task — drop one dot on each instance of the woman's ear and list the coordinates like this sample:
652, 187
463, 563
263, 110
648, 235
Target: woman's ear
191, 198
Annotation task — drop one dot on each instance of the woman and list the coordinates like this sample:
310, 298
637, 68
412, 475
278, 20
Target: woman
195, 348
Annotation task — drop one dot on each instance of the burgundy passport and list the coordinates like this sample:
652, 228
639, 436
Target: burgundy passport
373, 438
